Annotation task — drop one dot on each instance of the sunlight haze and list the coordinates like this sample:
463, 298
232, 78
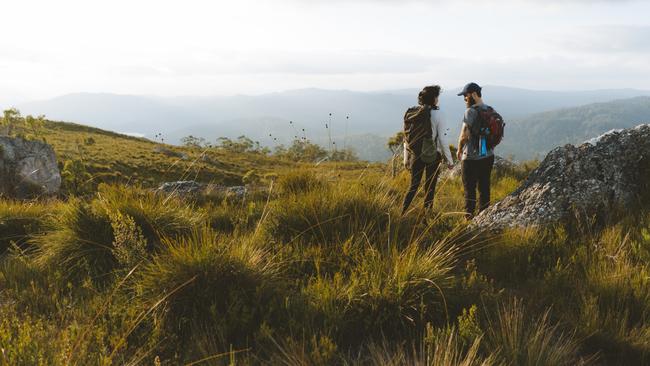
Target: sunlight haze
228, 47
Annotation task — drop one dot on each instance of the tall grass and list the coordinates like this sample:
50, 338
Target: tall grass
394, 292
81, 240
522, 339
321, 271
206, 279
20, 221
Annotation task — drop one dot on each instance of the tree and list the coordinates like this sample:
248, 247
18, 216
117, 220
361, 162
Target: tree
344, 155
243, 144
10, 121
191, 141
395, 145
13, 124
301, 150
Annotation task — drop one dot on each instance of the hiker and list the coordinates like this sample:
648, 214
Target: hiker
476, 147
425, 145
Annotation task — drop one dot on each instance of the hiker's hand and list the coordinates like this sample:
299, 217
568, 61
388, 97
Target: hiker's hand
450, 166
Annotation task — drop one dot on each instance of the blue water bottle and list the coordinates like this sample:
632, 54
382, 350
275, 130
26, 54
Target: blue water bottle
483, 146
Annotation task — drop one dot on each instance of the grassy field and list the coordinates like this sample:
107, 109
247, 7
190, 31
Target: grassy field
318, 268
115, 158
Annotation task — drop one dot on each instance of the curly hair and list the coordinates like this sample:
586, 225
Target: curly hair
429, 94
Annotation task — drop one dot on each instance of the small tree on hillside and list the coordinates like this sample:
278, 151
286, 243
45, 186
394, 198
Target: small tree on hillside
301, 150
192, 141
242, 144
346, 154
395, 145
13, 124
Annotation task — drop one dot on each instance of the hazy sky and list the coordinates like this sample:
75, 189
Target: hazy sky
49, 48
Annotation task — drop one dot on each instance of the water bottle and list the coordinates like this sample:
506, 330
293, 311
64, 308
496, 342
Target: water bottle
483, 146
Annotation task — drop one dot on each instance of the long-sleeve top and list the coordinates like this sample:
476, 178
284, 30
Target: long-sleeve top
441, 135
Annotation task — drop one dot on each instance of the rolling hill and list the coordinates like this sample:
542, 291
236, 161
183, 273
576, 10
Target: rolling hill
267, 117
116, 158
535, 135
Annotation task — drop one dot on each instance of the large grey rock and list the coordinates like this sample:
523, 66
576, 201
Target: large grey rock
602, 176
27, 168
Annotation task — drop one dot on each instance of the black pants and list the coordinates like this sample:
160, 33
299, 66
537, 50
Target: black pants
477, 172
417, 169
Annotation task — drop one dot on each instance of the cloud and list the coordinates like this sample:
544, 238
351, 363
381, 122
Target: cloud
290, 62
610, 39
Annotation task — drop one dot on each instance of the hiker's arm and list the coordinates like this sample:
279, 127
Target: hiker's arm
462, 140
444, 136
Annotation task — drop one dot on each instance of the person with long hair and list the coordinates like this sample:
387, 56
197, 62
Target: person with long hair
425, 145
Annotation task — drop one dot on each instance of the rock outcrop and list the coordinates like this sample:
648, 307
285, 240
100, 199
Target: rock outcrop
602, 176
192, 188
27, 168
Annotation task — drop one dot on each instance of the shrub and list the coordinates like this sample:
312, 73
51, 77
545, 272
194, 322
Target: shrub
530, 340
387, 294
297, 182
327, 216
20, 221
79, 243
157, 215
82, 239
438, 348
204, 279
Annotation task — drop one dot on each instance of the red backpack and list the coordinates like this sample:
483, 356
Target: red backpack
491, 126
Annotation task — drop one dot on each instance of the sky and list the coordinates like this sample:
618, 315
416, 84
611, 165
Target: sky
227, 47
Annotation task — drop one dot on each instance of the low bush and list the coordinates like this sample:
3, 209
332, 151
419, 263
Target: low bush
88, 238
521, 339
327, 216
299, 181
20, 221
206, 279
389, 293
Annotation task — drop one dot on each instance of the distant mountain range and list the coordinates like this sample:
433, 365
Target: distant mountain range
536, 135
362, 120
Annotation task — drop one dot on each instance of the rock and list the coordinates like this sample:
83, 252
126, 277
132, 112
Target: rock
27, 168
192, 188
168, 152
603, 176
183, 187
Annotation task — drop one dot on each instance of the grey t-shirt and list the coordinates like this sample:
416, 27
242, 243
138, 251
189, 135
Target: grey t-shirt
470, 151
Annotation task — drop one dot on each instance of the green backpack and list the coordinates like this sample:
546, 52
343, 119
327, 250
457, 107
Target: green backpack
429, 150
418, 134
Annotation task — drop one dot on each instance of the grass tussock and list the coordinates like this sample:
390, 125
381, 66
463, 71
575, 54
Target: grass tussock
298, 182
521, 339
320, 269
209, 279
328, 215
88, 239
20, 221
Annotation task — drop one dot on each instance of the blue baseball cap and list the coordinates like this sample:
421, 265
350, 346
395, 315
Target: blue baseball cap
470, 88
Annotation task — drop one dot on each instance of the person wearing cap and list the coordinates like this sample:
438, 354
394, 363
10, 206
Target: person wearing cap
476, 163
439, 132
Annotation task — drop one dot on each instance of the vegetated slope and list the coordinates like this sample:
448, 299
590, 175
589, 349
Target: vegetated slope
266, 117
112, 157
535, 135
322, 270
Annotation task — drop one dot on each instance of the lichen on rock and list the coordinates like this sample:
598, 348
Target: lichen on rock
593, 180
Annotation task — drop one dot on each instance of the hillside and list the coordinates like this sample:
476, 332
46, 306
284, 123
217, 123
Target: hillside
535, 135
116, 158
266, 117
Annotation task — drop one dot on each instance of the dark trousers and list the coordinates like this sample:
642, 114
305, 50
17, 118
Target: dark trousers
477, 172
417, 169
